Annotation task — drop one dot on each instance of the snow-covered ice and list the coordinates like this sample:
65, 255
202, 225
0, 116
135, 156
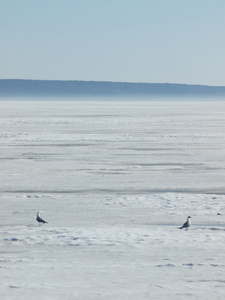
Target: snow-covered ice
115, 180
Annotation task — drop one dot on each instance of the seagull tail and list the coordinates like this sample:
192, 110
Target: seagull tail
180, 227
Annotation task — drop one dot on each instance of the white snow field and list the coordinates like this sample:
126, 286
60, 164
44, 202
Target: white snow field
114, 180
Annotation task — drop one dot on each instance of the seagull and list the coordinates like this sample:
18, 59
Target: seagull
186, 224
39, 219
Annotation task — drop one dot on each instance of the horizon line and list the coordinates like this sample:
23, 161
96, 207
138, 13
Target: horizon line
107, 81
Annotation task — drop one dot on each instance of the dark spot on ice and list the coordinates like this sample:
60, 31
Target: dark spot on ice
166, 265
14, 239
216, 228
189, 265
16, 212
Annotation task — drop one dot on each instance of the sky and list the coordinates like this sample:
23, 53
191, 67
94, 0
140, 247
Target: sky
157, 41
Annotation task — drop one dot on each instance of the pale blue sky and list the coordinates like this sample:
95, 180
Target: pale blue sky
175, 41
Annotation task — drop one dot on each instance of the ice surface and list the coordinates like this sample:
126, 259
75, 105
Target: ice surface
114, 180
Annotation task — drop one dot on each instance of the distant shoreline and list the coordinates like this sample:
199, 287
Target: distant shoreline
61, 88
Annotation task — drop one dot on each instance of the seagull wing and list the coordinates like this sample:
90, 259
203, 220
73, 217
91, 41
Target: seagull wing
184, 225
39, 219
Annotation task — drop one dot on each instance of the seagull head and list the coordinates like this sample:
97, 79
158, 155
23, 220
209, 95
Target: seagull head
38, 214
189, 219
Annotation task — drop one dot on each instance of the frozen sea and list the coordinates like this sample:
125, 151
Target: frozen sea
114, 180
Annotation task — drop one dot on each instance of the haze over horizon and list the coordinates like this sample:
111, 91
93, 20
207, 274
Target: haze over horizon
120, 41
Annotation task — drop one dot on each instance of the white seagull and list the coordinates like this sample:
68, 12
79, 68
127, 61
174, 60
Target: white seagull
39, 219
186, 224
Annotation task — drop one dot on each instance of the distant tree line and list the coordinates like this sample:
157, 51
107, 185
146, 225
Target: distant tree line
57, 88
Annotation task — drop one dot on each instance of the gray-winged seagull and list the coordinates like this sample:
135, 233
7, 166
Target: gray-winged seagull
39, 219
186, 224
